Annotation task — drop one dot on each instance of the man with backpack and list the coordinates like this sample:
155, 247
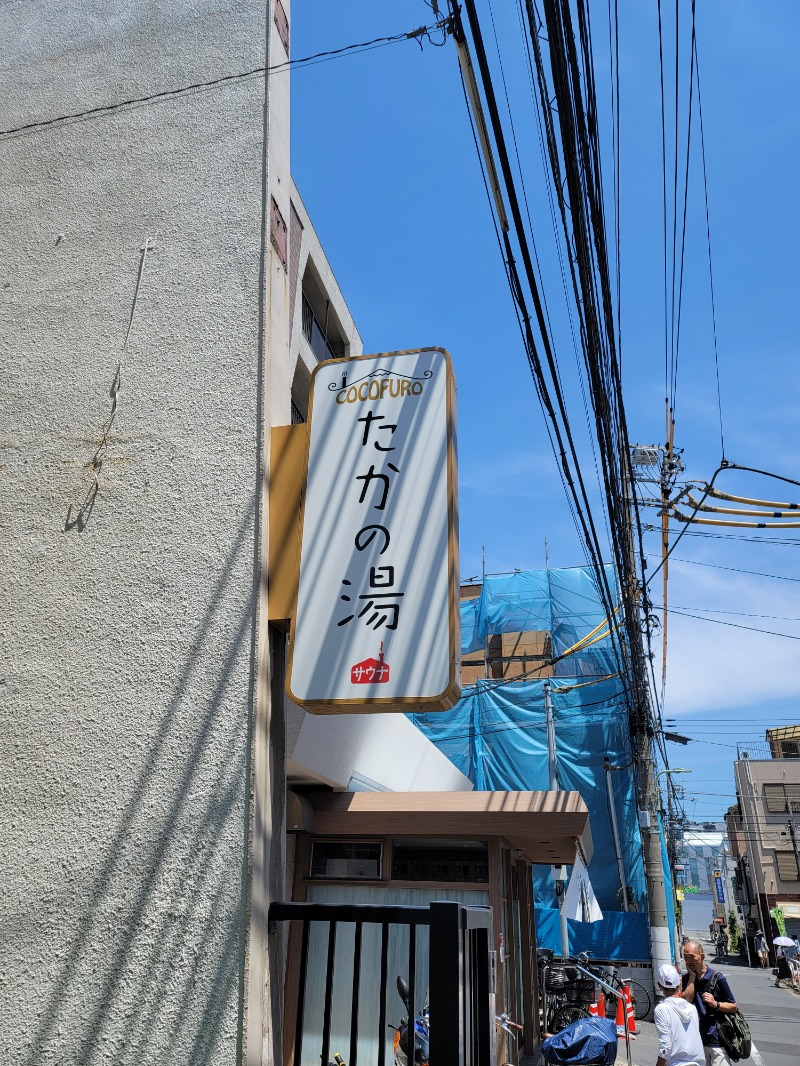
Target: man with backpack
711, 994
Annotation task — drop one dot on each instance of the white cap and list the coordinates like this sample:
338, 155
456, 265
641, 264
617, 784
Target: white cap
668, 976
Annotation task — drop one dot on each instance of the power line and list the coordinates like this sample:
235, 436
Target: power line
736, 569
788, 542
685, 204
738, 614
708, 235
548, 385
422, 32
735, 625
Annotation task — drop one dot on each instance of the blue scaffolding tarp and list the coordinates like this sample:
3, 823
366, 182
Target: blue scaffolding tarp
496, 735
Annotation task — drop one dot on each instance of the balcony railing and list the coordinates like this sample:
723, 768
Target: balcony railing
314, 334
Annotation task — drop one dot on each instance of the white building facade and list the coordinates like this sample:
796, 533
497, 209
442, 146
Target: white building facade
164, 300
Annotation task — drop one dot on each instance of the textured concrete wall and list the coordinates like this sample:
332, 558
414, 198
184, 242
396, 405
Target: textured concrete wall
129, 527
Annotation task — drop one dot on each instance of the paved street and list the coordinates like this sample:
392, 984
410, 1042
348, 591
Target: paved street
773, 1015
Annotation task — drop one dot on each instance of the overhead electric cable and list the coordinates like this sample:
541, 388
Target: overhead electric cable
735, 625
561, 423
738, 614
683, 224
790, 512
708, 235
674, 208
687, 519
737, 570
494, 198
320, 57
718, 494
737, 525
782, 542
664, 172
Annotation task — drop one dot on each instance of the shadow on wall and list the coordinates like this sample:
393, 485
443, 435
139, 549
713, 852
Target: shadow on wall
155, 969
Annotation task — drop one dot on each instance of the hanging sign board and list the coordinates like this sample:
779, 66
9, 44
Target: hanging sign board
718, 888
376, 620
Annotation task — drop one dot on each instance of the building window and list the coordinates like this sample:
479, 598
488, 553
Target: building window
440, 860
277, 230
782, 798
787, 865
346, 860
282, 24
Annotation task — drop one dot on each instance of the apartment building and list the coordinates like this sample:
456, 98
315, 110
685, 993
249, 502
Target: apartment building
763, 832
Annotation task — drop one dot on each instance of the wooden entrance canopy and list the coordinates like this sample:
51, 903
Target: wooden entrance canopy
544, 826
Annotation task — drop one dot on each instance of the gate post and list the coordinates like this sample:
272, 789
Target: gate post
462, 1029
447, 1044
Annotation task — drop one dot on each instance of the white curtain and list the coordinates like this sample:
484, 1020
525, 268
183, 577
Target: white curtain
369, 989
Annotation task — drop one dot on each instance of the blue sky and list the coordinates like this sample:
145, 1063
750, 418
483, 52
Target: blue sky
383, 156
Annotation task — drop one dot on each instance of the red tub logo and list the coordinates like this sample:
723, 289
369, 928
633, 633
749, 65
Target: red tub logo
370, 671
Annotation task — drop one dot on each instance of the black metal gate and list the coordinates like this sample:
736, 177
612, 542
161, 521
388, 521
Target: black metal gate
460, 977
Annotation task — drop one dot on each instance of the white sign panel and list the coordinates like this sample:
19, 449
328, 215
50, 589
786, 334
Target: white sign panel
376, 623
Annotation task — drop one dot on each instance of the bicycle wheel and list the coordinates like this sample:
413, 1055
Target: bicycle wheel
640, 1000
567, 1015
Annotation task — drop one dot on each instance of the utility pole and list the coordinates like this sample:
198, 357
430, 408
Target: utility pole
793, 838
552, 776
747, 905
649, 799
615, 830
552, 767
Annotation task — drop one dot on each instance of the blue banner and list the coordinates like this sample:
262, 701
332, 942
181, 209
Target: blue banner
719, 889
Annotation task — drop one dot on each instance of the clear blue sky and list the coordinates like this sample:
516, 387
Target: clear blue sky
383, 156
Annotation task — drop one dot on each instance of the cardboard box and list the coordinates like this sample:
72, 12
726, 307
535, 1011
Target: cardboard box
526, 645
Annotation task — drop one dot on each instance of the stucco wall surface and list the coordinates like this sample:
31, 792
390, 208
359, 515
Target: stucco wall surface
129, 473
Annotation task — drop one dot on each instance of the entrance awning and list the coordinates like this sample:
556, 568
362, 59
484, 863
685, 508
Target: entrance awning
542, 825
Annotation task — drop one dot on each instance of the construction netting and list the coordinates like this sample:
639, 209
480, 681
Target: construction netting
564, 603
497, 736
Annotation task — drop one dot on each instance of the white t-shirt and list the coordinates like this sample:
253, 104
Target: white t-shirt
678, 1028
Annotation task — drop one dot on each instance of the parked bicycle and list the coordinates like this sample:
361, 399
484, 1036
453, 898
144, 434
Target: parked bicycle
564, 997
640, 997
567, 993
514, 1030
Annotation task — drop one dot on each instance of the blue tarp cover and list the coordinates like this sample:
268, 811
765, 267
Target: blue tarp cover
563, 602
587, 1042
496, 735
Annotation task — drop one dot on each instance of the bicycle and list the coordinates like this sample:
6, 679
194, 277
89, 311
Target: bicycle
564, 997
506, 1023
640, 997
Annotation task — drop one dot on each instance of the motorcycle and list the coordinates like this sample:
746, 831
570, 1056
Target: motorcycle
422, 1027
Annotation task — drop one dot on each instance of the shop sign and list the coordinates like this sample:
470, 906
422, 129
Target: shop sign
718, 887
376, 620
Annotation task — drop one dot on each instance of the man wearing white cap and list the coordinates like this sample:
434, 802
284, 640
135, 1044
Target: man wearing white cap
679, 1042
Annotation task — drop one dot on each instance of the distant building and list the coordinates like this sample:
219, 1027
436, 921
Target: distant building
697, 847
764, 834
